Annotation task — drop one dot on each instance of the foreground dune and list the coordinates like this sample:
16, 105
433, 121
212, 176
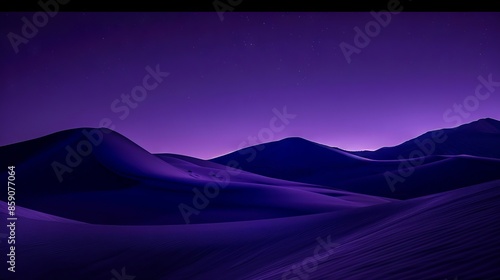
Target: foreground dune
456, 233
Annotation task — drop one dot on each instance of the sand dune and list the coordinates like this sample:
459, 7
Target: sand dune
453, 234
300, 210
126, 185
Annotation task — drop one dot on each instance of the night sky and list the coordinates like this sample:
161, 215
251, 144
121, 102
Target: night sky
226, 77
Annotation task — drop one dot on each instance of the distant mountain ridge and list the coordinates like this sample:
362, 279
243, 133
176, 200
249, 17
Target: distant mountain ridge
479, 138
468, 154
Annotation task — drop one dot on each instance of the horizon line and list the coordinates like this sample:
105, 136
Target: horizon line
263, 143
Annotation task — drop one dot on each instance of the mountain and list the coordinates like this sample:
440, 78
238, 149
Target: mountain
440, 160
291, 158
480, 138
93, 202
108, 179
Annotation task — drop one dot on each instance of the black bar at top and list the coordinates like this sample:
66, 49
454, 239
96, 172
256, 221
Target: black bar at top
252, 5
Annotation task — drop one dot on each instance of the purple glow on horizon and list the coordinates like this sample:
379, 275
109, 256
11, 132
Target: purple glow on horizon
226, 77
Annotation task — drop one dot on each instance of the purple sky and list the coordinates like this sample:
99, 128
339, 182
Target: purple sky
226, 77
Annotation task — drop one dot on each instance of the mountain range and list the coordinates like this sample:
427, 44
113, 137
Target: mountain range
90, 201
